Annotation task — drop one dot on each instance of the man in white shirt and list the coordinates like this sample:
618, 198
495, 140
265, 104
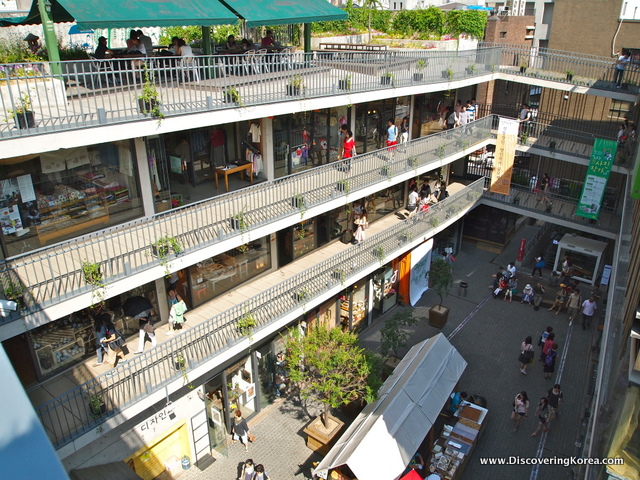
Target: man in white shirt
623, 59
511, 268
412, 201
463, 118
588, 309
524, 118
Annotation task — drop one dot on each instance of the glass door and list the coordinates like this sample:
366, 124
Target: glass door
214, 400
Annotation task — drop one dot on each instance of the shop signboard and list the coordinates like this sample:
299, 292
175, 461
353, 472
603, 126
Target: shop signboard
504, 155
595, 182
420, 266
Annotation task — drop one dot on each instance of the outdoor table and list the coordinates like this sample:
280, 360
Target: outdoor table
247, 167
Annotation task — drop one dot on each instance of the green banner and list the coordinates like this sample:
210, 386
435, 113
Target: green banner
595, 182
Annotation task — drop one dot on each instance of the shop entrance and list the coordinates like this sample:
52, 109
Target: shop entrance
214, 394
164, 454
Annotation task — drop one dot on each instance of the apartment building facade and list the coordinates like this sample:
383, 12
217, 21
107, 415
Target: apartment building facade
251, 190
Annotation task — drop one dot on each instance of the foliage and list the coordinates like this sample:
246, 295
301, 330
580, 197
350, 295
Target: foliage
189, 34
93, 276
332, 367
298, 200
23, 104
392, 335
96, 402
232, 93
297, 81
181, 364
440, 277
150, 97
163, 247
73, 53
471, 22
14, 50
246, 322
408, 22
13, 291
379, 254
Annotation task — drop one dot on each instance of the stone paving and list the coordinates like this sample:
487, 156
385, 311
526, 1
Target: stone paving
489, 340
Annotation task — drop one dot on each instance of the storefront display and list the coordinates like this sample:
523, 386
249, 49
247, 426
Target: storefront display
221, 273
353, 307
455, 446
385, 289
49, 197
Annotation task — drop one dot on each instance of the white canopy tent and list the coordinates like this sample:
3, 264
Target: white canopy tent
381, 441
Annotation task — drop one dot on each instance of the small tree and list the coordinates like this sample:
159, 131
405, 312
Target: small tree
333, 367
392, 335
440, 277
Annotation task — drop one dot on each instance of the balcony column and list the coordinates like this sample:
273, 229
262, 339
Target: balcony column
268, 159
161, 293
412, 105
146, 192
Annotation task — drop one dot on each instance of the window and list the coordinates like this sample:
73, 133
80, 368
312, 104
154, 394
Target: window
618, 109
503, 34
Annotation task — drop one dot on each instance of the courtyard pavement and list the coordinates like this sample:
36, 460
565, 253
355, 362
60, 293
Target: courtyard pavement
488, 333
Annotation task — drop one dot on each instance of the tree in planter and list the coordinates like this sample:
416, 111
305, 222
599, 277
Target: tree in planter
332, 367
440, 277
392, 334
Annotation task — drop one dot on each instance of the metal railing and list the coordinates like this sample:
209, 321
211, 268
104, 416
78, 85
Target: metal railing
70, 414
576, 68
101, 92
92, 93
53, 274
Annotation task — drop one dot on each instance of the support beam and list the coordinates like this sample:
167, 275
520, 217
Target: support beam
50, 39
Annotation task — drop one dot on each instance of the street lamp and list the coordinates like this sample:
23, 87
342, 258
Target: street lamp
47, 6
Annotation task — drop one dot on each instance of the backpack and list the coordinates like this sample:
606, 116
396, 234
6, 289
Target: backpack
346, 237
548, 360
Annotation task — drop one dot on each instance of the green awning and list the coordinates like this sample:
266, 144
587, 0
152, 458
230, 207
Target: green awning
91, 14
259, 13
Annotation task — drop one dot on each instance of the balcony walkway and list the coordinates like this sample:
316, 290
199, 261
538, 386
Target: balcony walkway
62, 402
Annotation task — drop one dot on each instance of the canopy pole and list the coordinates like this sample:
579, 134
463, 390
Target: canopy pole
307, 38
50, 40
206, 40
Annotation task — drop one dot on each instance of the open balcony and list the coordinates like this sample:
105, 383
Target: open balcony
94, 93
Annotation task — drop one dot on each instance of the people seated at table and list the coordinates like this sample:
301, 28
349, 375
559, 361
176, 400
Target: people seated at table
268, 41
102, 51
231, 43
184, 50
137, 48
174, 45
132, 41
146, 42
246, 45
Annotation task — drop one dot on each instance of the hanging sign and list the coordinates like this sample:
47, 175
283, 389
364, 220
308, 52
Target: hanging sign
595, 182
504, 155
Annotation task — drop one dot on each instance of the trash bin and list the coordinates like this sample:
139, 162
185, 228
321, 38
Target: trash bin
462, 289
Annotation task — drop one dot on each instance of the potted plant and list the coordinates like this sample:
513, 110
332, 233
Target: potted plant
330, 366
524, 138
23, 115
297, 201
378, 252
13, 291
420, 66
440, 278
295, 85
387, 78
345, 83
164, 246
232, 95
239, 222
552, 145
92, 274
302, 295
569, 75
97, 407
246, 322
440, 151
471, 69
523, 67
448, 73
343, 186
149, 100
413, 161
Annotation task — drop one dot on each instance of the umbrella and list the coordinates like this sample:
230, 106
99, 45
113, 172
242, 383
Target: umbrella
74, 30
412, 475
137, 307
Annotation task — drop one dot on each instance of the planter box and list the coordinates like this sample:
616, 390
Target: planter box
163, 251
570, 77
319, 438
445, 74
146, 106
235, 223
25, 120
341, 187
228, 98
344, 85
179, 365
418, 77
98, 412
523, 69
385, 80
297, 202
438, 316
293, 91
384, 171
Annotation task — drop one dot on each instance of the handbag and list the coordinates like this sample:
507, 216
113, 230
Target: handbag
252, 437
118, 342
148, 327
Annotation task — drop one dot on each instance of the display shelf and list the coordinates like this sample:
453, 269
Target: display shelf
60, 346
65, 218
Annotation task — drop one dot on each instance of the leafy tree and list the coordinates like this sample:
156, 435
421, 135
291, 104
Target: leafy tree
189, 34
333, 367
422, 23
393, 337
440, 277
471, 22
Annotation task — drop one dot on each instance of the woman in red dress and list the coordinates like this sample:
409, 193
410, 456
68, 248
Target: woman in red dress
348, 148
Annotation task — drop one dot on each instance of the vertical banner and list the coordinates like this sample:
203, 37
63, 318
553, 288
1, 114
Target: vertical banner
503, 159
420, 266
595, 182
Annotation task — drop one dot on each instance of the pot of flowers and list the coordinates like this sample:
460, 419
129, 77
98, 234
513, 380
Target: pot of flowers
295, 85
23, 115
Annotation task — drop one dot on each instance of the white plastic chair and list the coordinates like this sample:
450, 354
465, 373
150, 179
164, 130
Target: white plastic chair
188, 65
261, 61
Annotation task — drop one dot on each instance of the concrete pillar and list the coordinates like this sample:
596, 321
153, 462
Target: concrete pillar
146, 190
268, 159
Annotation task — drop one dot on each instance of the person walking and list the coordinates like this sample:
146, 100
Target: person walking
260, 473
392, 135
348, 149
145, 329
361, 221
110, 336
621, 63
512, 289
550, 360
248, 470
527, 294
542, 412
554, 397
538, 292
540, 263
561, 297
240, 430
404, 130
176, 315
588, 309
526, 355
545, 183
520, 409
573, 304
